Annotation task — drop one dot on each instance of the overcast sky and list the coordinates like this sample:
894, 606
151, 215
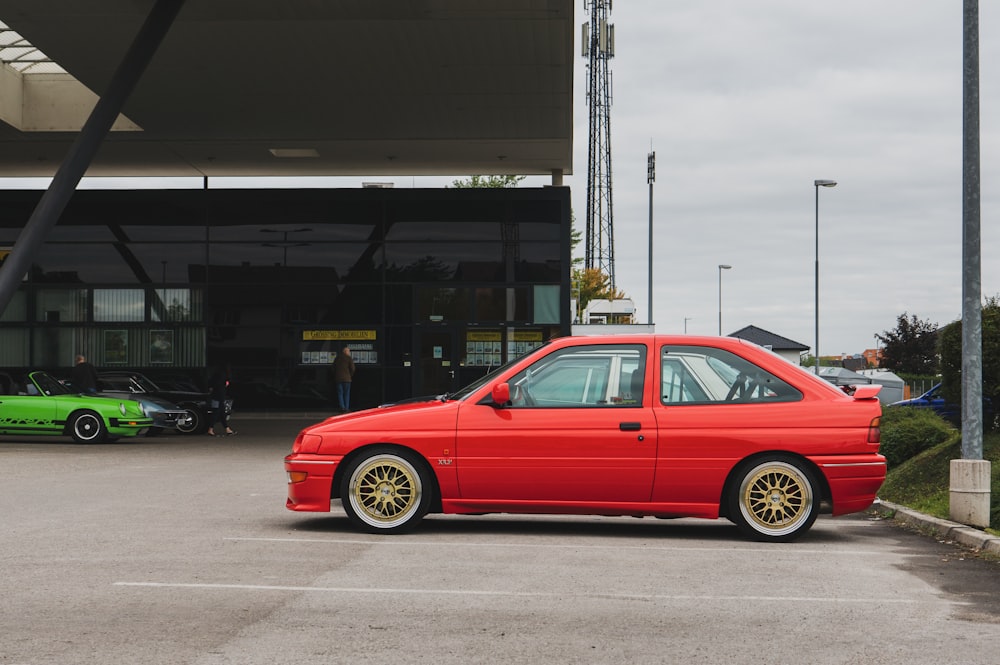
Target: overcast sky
746, 104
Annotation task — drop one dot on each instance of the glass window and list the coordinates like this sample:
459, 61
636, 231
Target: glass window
700, 375
170, 262
609, 375
119, 305
57, 305
176, 305
546, 302
83, 263
17, 309
444, 262
443, 305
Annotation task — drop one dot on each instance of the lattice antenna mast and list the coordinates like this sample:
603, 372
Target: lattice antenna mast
598, 45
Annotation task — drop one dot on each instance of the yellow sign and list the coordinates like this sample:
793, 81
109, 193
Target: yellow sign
339, 335
483, 336
527, 335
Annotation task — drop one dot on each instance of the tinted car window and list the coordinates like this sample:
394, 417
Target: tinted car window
701, 375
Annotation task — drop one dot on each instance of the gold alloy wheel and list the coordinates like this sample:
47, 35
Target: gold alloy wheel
775, 498
385, 491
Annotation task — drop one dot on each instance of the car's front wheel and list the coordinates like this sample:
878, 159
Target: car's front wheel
194, 424
386, 490
773, 499
88, 427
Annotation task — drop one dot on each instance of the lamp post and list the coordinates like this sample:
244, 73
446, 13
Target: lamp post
285, 244
722, 267
686, 319
817, 184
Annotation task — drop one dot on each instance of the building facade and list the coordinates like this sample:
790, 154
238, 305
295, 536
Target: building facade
429, 288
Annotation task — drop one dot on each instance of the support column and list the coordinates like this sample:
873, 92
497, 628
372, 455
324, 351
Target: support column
81, 154
969, 492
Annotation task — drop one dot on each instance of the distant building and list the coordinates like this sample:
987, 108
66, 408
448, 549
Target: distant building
788, 349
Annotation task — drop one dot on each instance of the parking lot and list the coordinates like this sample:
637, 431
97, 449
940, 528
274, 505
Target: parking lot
179, 549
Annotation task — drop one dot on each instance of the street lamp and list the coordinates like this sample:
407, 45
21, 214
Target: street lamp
686, 319
285, 244
722, 267
817, 184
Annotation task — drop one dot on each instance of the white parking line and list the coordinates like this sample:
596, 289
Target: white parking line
522, 594
396, 542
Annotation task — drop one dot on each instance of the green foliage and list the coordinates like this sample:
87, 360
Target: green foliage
922, 482
911, 346
950, 347
908, 431
489, 181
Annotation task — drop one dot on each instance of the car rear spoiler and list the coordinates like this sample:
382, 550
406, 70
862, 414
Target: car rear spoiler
866, 391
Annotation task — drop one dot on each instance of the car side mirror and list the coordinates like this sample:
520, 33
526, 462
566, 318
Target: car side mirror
501, 394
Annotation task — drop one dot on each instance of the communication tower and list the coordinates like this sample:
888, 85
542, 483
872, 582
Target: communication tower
598, 46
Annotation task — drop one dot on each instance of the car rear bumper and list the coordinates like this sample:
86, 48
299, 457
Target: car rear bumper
854, 480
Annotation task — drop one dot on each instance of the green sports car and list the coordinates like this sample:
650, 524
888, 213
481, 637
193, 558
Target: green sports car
39, 404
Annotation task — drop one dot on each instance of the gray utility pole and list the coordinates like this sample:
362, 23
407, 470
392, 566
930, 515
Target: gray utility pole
650, 177
970, 476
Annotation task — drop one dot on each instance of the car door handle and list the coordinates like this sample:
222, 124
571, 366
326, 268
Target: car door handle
630, 427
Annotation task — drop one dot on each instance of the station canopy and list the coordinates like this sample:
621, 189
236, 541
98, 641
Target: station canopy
295, 88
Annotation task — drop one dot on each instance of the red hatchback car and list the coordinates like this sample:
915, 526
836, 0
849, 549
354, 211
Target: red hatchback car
644, 425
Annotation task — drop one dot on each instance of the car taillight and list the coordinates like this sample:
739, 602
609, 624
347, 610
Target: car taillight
874, 432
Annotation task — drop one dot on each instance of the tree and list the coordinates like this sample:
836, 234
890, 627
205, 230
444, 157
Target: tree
911, 347
593, 284
488, 181
951, 359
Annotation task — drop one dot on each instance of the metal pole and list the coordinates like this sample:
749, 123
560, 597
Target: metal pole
817, 184
722, 266
81, 154
650, 177
972, 341
816, 282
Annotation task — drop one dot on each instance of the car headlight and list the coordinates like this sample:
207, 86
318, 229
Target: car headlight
121, 407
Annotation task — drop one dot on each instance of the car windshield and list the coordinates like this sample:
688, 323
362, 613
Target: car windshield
144, 383
48, 385
481, 381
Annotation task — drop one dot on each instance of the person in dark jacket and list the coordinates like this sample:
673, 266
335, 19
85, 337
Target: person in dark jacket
219, 388
84, 376
343, 373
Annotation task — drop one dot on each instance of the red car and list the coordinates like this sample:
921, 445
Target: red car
644, 425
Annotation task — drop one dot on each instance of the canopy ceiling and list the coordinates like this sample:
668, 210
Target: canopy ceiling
300, 87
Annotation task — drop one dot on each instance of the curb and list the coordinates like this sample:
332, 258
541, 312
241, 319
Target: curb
959, 533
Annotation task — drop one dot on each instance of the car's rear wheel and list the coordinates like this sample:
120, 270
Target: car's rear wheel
88, 427
773, 499
195, 424
386, 490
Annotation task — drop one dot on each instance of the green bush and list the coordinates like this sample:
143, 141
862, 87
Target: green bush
908, 431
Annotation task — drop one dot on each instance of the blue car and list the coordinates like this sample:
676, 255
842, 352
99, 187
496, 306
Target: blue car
950, 411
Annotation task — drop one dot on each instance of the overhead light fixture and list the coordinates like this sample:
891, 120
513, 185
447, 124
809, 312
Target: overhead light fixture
283, 153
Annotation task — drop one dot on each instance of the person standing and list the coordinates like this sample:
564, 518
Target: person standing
84, 376
343, 373
219, 389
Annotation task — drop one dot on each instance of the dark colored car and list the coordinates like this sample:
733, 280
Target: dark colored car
165, 414
196, 404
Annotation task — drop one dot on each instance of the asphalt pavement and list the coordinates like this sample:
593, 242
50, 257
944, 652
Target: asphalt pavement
178, 549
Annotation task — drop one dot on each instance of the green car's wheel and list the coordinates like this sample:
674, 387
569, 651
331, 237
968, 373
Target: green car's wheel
385, 491
88, 427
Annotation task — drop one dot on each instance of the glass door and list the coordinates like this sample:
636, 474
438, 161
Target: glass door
437, 369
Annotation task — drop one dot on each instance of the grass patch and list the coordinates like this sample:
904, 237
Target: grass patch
922, 482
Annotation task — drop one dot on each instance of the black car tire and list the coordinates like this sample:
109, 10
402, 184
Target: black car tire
773, 499
88, 427
198, 422
386, 490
